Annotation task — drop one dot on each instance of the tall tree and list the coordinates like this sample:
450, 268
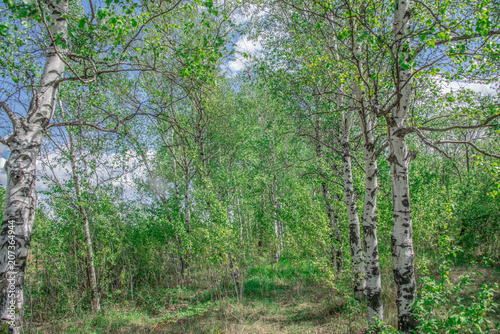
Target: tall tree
24, 144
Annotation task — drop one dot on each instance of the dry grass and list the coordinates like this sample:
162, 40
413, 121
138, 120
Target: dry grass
284, 315
313, 311
299, 308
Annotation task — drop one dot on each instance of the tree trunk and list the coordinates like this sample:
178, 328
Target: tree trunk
17, 224
337, 256
242, 223
373, 279
96, 302
240, 218
402, 240
278, 227
20, 194
187, 202
235, 275
372, 263
337, 252
352, 210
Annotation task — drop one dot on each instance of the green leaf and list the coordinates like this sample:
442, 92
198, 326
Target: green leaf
4, 29
81, 23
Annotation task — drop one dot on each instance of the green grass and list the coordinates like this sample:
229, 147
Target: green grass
275, 301
285, 308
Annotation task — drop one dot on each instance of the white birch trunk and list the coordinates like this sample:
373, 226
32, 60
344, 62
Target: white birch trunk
372, 264
350, 201
240, 218
402, 240
373, 278
278, 228
335, 237
352, 209
174, 161
235, 275
20, 196
96, 303
187, 202
241, 221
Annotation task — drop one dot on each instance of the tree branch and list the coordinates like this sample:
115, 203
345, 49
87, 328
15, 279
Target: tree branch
467, 143
457, 39
84, 123
15, 121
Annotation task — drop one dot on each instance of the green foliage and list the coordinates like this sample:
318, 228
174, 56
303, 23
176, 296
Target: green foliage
441, 309
379, 327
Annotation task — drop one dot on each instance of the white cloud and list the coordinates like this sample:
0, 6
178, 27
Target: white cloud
235, 65
476, 87
115, 169
243, 46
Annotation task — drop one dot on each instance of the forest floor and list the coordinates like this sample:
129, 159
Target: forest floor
284, 313
266, 308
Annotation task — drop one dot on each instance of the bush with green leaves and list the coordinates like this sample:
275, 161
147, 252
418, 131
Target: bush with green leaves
441, 307
379, 327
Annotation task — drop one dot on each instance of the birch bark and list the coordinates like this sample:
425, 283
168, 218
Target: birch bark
277, 224
337, 252
187, 201
399, 158
372, 264
350, 198
278, 227
20, 196
352, 209
373, 278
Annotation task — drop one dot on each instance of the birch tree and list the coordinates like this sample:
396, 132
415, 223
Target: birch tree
24, 144
350, 201
373, 278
